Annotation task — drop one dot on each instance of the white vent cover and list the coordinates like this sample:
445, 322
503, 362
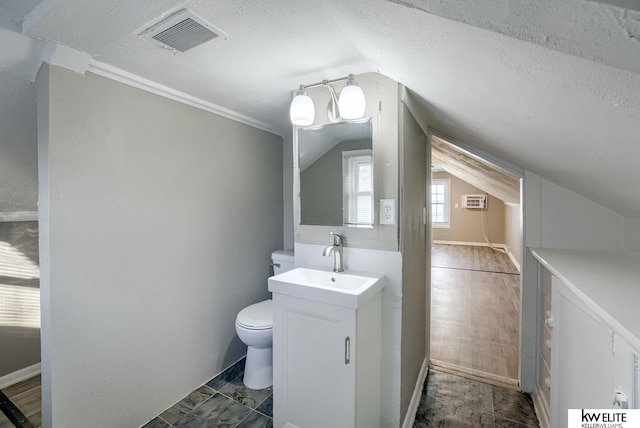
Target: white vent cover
474, 201
182, 31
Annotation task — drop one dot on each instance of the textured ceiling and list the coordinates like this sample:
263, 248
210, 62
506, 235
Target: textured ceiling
551, 86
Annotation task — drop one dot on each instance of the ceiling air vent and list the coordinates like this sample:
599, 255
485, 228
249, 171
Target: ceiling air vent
182, 31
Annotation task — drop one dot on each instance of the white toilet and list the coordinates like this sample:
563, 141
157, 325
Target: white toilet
254, 325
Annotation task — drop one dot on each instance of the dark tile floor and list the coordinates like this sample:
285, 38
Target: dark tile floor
452, 401
447, 401
224, 401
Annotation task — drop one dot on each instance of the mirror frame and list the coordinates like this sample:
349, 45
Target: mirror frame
382, 106
323, 135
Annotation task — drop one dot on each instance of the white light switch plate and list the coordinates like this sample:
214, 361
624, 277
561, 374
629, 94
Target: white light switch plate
387, 211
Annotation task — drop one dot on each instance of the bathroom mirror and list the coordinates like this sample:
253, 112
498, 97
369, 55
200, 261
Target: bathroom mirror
335, 164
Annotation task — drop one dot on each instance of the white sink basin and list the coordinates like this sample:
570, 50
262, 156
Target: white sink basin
322, 285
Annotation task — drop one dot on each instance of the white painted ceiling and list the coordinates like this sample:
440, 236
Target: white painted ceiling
550, 85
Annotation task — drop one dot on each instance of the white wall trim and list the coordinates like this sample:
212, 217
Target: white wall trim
81, 62
122, 76
471, 244
473, 374
18, 216
484, 244
410, 416
541, 408
513, 259
20, 375
66, 57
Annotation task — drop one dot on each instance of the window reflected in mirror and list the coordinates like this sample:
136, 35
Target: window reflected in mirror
336, 179
357, 190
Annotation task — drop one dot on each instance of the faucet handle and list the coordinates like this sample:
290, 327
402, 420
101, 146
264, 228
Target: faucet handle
337, 239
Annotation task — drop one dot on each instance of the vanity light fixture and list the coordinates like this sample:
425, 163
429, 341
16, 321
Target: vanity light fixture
350, 105
302, 110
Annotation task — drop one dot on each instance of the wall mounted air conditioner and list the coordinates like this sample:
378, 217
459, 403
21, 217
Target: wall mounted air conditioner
474, 201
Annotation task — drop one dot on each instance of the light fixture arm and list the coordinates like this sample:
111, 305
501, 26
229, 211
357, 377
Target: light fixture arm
332, 109
325, 82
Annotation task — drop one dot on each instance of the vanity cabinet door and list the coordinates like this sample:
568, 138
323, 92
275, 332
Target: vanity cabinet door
314, 364
582, 370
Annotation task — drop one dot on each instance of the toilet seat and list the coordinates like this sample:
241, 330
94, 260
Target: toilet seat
258, 316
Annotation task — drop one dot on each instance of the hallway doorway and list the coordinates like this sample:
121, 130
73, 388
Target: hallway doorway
475, 312
475, 269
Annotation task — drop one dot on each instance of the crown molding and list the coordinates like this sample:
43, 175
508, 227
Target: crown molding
63, 56
122, 76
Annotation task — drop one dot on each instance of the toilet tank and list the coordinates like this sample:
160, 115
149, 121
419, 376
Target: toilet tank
282, 261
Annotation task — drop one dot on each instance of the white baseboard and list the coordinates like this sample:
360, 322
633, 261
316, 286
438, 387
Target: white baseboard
410, 416
20, 375
542, 408
470, 244
513, 260
493, 379
483, 244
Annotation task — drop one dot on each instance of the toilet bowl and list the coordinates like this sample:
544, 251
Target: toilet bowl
254, 325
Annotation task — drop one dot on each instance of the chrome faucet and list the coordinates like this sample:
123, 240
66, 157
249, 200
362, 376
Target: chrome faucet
336, 249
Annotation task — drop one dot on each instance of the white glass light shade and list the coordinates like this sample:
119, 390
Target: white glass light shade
302, 111
351, 102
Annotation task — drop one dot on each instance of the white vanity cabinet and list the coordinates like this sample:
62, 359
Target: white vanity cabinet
594, 330
583, 374
326, 363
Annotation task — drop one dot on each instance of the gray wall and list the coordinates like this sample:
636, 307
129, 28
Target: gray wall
415, 258
287, 189
559, 218
157, 223
632, 233
321, 186
18, 149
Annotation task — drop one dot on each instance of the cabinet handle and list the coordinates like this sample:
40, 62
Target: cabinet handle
347, 350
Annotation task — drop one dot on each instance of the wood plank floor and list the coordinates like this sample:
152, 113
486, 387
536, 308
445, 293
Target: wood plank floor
471, 258
27, 397
475, 312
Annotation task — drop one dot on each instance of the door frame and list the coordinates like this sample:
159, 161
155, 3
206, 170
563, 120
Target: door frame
528, 270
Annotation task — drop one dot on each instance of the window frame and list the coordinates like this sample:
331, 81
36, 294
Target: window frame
446, 204
350, 190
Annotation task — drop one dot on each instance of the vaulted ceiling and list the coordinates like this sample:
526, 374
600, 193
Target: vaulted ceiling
484, 175
551, 86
